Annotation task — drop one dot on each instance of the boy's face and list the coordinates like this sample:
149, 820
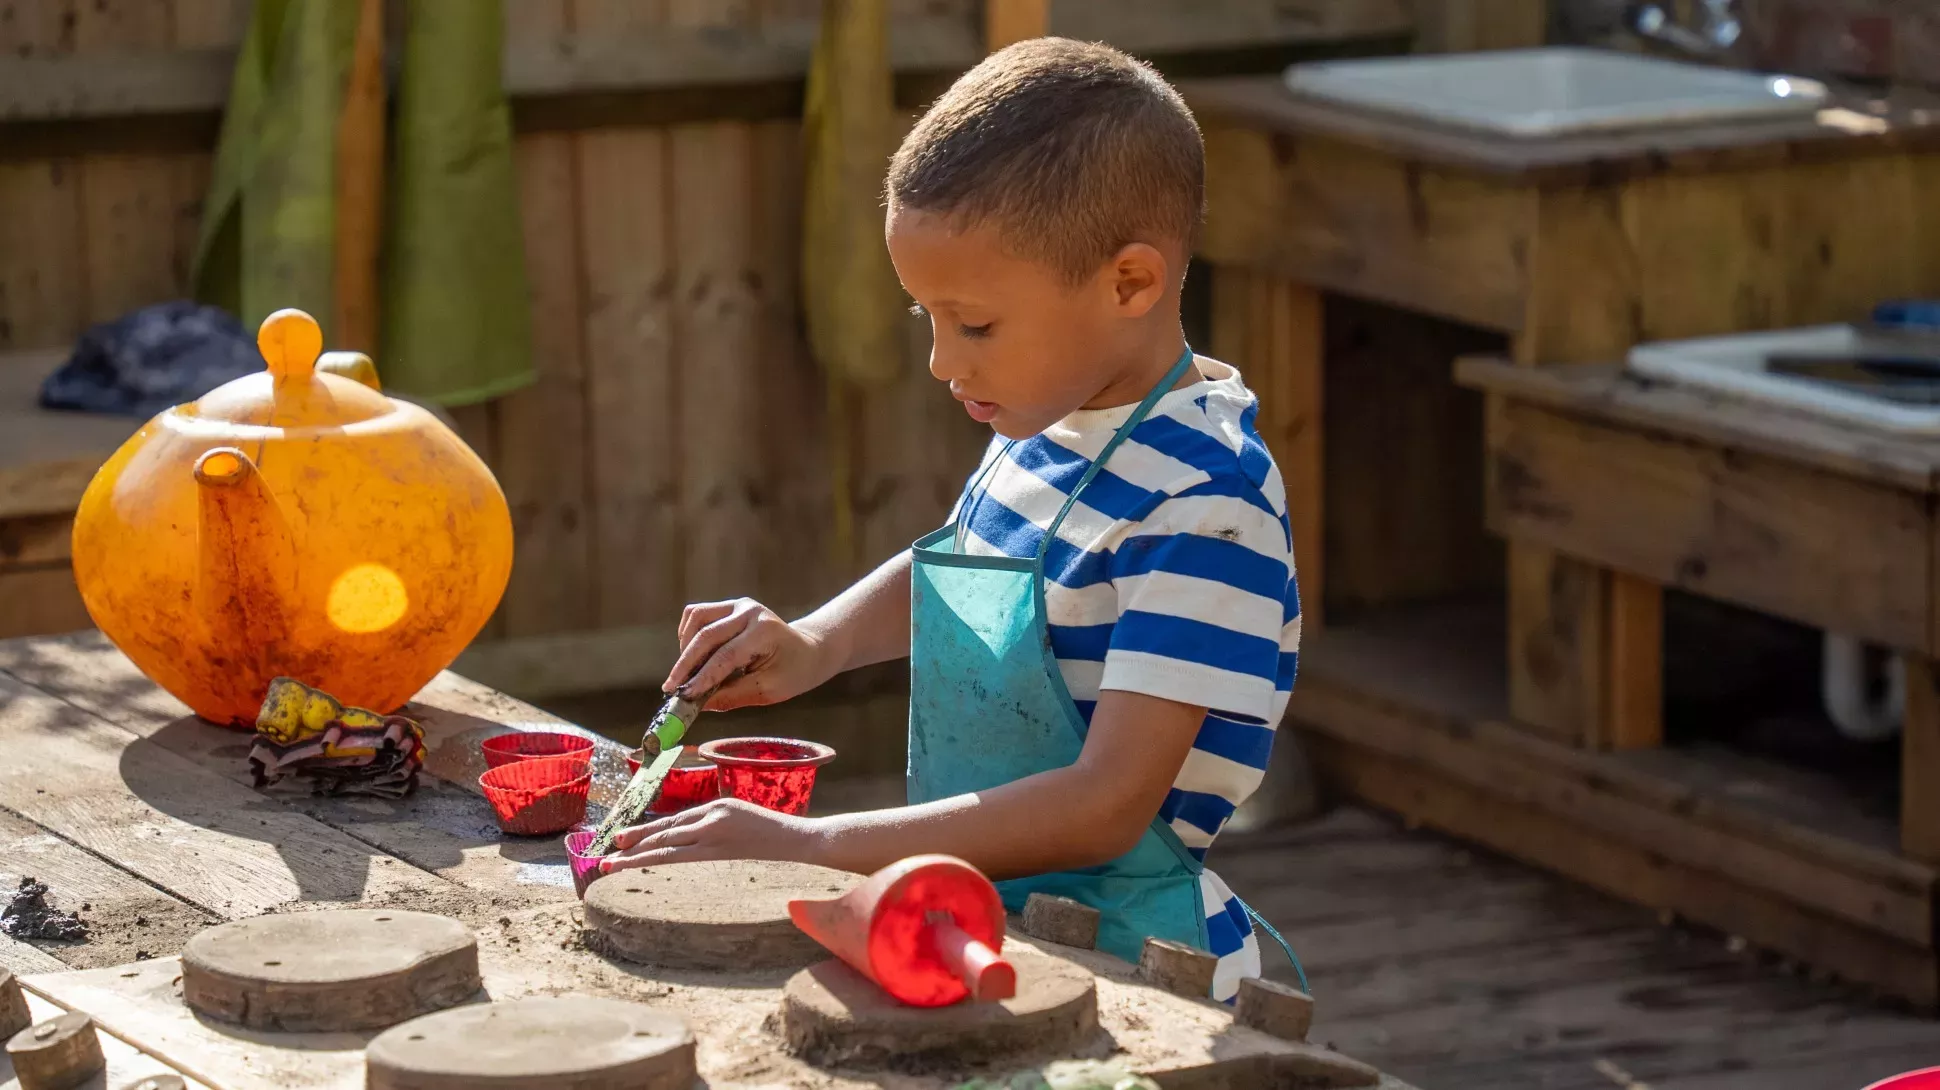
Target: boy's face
1020, 347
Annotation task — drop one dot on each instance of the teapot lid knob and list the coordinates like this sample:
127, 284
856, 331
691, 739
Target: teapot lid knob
290, 342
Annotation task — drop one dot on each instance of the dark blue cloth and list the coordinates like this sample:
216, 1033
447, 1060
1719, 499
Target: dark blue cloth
151, 359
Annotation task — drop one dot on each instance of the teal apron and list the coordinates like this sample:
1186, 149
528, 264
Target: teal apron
988, 707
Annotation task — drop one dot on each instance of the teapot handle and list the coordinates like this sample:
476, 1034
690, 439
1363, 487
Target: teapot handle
290, 342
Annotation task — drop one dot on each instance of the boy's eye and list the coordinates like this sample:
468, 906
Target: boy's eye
974, 332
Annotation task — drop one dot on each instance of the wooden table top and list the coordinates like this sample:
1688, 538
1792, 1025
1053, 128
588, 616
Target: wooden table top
1607, 392
1856, 124
122, 801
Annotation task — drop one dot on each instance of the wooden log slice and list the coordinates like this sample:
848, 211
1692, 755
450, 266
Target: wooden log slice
58, 1054
547, 1043
158, 1082
324, 972
833, 1015
724, 915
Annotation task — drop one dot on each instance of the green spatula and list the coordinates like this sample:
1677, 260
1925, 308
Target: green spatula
660, 748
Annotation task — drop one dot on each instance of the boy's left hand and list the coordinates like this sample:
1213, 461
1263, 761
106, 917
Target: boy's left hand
722, 829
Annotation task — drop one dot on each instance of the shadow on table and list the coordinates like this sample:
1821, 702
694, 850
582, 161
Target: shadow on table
432, 829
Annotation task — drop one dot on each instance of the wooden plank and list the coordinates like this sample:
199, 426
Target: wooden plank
722, 510
444, 828
633, 441
542, 454
1607, 393
21, 959
1008, 21
796, 565
1288, 316
1347, 219
130, 203
1823, 549
1864, 887
1584, 277
927, 40
1462, 26
127, 918
1635, 717
1920, 761
48, 458
126, 1064
42, 539
203, 839
1782, 245
1635, 874
40, 599
477, 425
42, 288
1559, 621
360, 188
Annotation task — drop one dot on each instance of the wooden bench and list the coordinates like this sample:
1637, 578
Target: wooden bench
46, 461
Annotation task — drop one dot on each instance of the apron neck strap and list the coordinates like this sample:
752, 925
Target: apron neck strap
1164, 387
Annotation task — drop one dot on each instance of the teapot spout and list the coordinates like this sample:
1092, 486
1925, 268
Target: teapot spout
246, 564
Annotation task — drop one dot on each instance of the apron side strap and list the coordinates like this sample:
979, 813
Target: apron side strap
1281, 939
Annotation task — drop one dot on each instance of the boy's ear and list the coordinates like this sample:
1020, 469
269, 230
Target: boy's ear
1139, 274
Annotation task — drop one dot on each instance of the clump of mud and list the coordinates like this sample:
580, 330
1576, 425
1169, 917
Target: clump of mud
27, 915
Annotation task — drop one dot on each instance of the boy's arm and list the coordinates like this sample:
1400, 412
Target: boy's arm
1084, 814
865, 624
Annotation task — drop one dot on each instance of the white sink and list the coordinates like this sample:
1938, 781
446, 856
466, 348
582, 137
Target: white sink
1553, 91
1739, 366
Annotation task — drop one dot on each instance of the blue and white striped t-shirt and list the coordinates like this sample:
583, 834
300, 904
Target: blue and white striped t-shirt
1172, 576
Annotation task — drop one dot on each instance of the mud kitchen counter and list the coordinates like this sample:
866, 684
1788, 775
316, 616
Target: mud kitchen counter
1355, 255
120, 801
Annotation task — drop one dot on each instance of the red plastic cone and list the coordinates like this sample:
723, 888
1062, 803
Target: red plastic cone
926, 929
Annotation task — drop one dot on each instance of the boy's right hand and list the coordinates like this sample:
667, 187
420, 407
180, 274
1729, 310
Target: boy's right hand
776, 660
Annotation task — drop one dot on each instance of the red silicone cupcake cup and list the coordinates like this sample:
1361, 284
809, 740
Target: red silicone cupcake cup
527, 745
585, 867
689, 783
540, 796
1927, 1078
776, 773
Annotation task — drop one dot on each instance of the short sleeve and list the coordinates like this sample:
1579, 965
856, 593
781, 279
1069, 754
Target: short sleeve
1202, 585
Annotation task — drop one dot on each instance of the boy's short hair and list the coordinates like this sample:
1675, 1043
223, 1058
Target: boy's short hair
1072, 150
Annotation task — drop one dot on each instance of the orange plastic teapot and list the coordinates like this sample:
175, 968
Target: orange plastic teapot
294, 522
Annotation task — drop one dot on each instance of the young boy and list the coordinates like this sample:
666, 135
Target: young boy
1104, 638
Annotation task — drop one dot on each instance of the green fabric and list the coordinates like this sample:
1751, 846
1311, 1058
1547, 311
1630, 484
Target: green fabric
269, 225
456, 324
456, 318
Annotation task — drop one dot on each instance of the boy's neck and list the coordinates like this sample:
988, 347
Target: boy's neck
1144, 370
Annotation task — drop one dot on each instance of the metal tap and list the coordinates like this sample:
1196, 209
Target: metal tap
1717, 31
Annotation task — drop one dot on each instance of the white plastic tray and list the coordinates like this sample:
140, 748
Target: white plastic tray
1553, 91
1735, 365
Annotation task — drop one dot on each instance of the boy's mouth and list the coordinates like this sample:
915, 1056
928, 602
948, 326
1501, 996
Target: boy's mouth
983, 412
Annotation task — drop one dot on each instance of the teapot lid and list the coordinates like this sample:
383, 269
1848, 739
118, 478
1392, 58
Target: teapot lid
292, 393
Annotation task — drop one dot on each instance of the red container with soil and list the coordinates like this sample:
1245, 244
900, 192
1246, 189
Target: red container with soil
505, 749
540, 796
776, 773
689, 783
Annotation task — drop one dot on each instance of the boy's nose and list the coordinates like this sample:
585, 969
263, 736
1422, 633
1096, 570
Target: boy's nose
945, 367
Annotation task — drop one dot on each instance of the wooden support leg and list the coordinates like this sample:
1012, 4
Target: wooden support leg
1585, 651
1270, 328
1920, 762
1634, 711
